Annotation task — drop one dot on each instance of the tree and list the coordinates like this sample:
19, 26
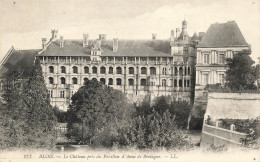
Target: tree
155, 131
161, 105
28, 116
94, 107
241, 73
181, 110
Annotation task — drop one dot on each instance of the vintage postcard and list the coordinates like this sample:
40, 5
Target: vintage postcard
132, 80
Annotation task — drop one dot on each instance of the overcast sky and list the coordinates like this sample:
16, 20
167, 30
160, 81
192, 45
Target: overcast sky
24, 22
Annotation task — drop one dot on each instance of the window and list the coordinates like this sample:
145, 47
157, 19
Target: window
51, 69
63, 69
206, 59
50, 92
119, 70
176, 71
143, 70
221, 78
131, 82
184, 82
86, 70
143, 82
110, 71
103, 80
74, 80
131, 70
102, 70
175, 83
180, 83
62, 80
206, 79
85, 79
94, 70
164, 71
118, 81
189, 72
221, 58
62, 94
181, 71
188, 83
164, 83
50, 80
152, 71
110, 81
75, 69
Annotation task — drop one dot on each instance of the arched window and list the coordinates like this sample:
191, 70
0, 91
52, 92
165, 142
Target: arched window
143, 70
131, 70
180, 71
110, 70
164, 71
74, 80
103, 80
143, 82
110, 81
118, 81
152, 71
180, 83
85, 80
164, 83
188, 83
62, 80
175, 83
75, 69
102, 70
185, 70
50, 80
176, 71
94, 70
51, 69
86, 70
63, 69
189, 71
119, 70
130, 82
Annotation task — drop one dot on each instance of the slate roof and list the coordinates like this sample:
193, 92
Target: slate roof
233, 106
19, 61
139, 48
223, 35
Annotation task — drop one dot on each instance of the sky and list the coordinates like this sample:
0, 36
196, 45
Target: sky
24, 23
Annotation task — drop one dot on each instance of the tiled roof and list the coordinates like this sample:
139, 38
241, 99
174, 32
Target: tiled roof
233, 106
20, 61
141, 48
223, 35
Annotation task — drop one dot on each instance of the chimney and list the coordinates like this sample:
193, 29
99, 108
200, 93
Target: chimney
98, 43
85, 40
172, 33
178, 32
154, 36
115, 45
61, 41
54, 34
44, 41
102, 37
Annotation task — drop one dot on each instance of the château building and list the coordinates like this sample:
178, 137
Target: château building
139, 68
221, 41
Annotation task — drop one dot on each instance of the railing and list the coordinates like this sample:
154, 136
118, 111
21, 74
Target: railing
220, 136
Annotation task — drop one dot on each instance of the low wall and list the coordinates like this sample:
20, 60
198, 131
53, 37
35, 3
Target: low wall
219, 136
